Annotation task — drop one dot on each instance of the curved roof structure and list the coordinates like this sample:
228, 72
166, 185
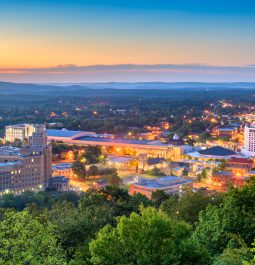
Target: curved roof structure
72, 135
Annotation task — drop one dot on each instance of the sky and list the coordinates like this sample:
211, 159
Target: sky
127, 40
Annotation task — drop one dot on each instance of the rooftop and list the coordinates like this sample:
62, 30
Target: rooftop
6, 164
20, 125
154, 161
162, 182
226, 129
119, 159
93, 137
62, 166
69, 134
9, 151
241, 160
217, 151
59, 179
119, 140
223, 174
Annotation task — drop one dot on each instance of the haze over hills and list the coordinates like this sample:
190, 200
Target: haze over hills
10, 88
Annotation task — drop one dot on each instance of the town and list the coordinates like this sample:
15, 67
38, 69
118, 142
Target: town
127, 132
142, 162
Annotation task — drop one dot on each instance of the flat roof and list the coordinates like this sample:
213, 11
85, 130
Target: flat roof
59, 179
162, 182
62, 166
119, 159
119, 140
10, 164
226, 129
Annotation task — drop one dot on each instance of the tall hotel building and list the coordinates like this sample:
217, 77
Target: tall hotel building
249, 140
28, 167
18, 131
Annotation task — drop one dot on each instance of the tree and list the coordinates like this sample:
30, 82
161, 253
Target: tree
24, 240
159, 196
191, 203
251, 262
79, 169
76, 226
234, 256
169, 207
149, 238
221, 225
92, 154
93, 171
17, 143
203, 137
113, 179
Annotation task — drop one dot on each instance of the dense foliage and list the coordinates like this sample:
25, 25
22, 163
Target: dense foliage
111, 227
98, 109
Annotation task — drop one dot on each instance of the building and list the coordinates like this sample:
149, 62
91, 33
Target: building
121, 162
26, 168
222, 180
242, 163
249, 141
169, 185
59, 183
64, 169
148, 163
18, 131
240, 166
222, 132
151, 148
215, 152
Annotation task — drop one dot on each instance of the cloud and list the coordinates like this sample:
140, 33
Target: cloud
130, 72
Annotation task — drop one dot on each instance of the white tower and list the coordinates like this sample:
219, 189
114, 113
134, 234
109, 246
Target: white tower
249, 140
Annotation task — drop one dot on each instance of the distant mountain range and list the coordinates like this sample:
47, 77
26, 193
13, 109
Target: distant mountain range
174, 91
7, 87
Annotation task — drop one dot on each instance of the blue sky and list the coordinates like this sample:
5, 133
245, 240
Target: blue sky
44, 34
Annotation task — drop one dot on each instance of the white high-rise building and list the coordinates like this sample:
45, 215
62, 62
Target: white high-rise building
18, 131
249, 140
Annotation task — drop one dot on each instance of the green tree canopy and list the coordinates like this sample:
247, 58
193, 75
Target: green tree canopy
24, 240
233, 219
149, 238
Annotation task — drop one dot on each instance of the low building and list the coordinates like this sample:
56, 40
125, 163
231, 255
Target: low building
175, 169
168, 184
64, 169
215, 152
240, 166
242, 163
151, 148
59, 183
228, 132
224, 179
148, 163
119, 162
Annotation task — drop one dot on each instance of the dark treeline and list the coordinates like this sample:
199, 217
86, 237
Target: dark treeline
97, 109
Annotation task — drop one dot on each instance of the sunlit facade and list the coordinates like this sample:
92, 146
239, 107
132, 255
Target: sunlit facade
27, 168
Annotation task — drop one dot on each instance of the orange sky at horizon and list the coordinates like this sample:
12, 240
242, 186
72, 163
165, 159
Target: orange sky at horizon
43, 52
